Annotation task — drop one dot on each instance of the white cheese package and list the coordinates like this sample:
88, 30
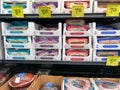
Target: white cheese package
66, 6
101, 29
77, 54
6, 6
53, 4
77, 42
21, 28
47, 54
77, 27
50, 29
47, 42
100, 6
74, 30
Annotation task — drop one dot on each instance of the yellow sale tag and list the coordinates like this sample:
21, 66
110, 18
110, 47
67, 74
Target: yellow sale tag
44, 11
17, 12
78, 11
113, 10
112, 61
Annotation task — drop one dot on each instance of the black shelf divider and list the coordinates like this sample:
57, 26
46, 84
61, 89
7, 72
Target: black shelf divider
55, 62
4, 17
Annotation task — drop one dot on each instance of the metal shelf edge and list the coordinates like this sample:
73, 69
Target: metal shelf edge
56, 16
54, 62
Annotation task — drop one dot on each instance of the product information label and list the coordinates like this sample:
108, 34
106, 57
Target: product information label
17, 12
112, 61
78, 11
17, 80
44, 11
113, 10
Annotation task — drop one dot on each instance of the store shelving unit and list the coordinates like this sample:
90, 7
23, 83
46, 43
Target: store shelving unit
35, 17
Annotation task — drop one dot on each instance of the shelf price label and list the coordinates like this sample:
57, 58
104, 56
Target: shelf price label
44, 11
78, 11
17, 12
112, 61
113, 10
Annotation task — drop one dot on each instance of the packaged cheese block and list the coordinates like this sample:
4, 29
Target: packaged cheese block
21, 80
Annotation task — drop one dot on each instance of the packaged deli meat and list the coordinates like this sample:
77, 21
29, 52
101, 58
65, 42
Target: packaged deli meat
77, 25
107, 84
77, 52
75, 22
68, 4
78, 84
21, 80
77, 40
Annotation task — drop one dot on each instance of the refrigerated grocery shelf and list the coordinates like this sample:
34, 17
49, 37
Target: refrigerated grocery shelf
35, 17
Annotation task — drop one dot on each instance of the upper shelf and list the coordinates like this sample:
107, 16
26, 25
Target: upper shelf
5, 17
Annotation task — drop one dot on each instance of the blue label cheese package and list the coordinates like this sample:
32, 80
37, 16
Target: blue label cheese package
6, 6
17, 42
102, 54
106, 42
18, 54
20, 28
